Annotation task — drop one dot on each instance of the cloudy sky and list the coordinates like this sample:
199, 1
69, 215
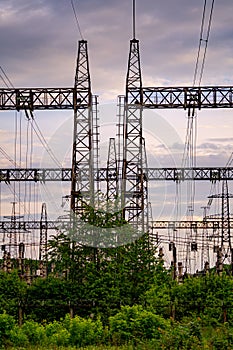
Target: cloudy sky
38, 41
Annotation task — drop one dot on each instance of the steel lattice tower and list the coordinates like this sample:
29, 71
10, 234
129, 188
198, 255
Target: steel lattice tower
224, 250
133, 179
112, 171
43, 250
226, 233
205, 254
13, 233
84, 138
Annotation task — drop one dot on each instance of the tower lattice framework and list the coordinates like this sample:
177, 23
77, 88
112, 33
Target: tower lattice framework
134, 183
85, 135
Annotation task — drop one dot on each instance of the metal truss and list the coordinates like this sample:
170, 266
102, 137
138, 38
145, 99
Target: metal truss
184, 97
43, 248
195, 225
133, 188
144, 185
83, 156
103, 174
27, 226
205, 252
183, 174
12, 234
225, 217
226, 233
151, 97
112, 171
35, 174
38, 98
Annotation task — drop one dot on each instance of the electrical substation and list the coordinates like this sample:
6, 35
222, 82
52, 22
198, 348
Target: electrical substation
122, 187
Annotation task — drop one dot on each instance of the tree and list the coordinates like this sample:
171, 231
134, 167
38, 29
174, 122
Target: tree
13, 292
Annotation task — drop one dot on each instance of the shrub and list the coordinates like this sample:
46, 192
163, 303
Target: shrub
85, 332
34, 332
57, 334
134, 324
61, 338
18, 337
7, 323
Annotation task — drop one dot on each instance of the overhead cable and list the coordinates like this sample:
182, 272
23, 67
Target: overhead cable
202, 39
5, 78
76, 19
40, 136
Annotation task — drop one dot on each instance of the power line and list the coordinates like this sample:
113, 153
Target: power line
5, 78
189, 154
206, 41
4, 81
76, 18
6, 155
44, 143
201, 40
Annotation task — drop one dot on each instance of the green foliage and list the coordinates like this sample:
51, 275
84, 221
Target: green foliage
132, 300
47, 299
85, 332
208, 297
57, 334
7, 323
100, 280
12, 292
135, 324
35, 332
18, 337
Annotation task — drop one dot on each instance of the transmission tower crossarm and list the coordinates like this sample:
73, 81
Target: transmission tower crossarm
186, 224
150, 97
102, 174
26, 225
189, 97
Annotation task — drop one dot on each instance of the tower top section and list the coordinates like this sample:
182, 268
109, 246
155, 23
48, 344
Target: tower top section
134, 19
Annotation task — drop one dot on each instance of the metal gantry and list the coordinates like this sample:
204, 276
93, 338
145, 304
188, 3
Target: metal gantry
27, 225
101, 174
169, 97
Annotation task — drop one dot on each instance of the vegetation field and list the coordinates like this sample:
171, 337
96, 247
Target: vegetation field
120, 298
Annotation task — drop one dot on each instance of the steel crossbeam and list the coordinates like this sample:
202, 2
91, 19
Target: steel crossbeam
152, 97
38, 98
27, 226
184, 174
184, 97
104, 174
195, 225
35, 174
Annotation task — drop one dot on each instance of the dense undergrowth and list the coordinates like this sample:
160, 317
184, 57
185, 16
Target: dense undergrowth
125, 301
131, 328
